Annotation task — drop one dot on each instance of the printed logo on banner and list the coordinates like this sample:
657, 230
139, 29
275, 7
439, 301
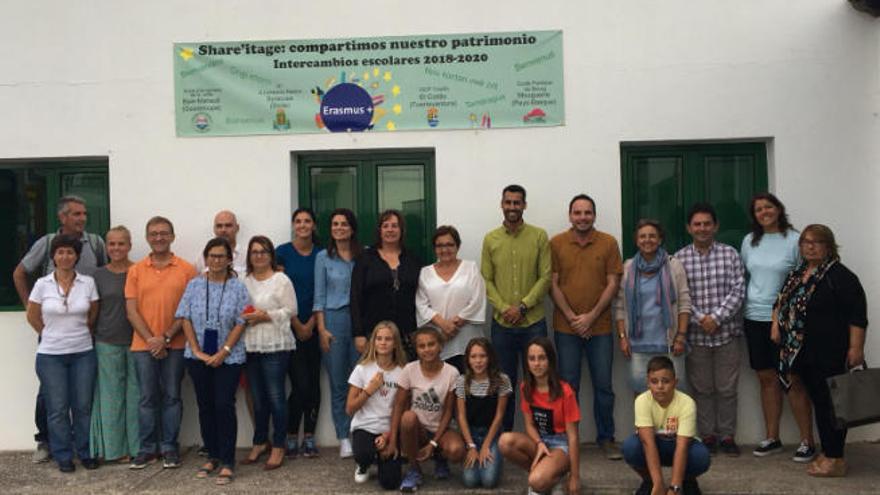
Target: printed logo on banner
201, 122
346, 107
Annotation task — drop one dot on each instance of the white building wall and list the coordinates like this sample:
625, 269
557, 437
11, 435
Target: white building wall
95, 78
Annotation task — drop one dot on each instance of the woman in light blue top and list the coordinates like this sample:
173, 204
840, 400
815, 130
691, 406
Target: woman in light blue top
211, 309
769, 252
652, 307
332, 288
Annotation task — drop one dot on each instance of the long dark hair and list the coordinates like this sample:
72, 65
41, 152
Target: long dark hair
492, 368
267, 245
220, 241
782, 220
309, 212
553, 380
354, 245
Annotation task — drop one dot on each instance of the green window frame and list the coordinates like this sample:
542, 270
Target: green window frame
29, 192
369, 182
663, 181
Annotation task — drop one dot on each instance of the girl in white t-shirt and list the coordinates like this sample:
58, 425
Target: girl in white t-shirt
423, 410
371, 394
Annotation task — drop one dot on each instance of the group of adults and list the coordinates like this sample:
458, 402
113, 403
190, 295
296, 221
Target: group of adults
271, 313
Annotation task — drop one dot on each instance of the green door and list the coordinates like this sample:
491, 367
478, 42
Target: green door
662, 182
369, 183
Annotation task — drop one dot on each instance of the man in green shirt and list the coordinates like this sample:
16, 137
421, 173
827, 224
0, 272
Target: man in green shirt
516, 266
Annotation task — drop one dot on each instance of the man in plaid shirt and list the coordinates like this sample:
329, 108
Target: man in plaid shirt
716, 279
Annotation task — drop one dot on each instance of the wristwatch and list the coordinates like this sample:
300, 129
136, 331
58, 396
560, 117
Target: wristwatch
227, 349
472, 446
433, 443
674, 488
523, 309
167, 339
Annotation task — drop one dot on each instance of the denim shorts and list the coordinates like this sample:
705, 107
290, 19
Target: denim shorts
556, 441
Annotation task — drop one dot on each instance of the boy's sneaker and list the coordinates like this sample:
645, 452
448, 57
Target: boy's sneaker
41, 453
610, 450
308, 448
711, 443
690, 487
361, 475
729, 447
142, 461
292, 449
171, 460
767, 447
645, 488
441, 469
411, 481
345, 449
804, 453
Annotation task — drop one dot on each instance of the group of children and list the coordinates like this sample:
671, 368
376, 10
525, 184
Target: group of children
404, 410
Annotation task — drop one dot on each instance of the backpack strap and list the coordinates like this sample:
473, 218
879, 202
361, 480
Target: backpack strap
49, 238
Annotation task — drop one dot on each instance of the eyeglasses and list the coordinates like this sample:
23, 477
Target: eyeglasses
260, 252
156, 235
811, 242
218, 256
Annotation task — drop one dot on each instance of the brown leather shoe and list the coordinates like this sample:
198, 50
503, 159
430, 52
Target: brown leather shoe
256, 452
276, 459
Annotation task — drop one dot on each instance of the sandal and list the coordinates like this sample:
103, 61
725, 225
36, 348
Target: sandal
206, 469
253, 459
831, 468
225, 477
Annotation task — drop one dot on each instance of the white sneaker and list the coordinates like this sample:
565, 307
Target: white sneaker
361, 476
345, 449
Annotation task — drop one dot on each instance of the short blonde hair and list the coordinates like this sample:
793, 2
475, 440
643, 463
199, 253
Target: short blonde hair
122, 229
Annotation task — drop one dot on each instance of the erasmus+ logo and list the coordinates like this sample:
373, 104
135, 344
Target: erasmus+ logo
347, 107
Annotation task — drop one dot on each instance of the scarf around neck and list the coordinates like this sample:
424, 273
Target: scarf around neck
665, 296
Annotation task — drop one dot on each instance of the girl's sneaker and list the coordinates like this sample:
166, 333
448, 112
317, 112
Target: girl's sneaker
361, 475
291, 447
804, 453
767, 447
411, 481
308, 448
345, 449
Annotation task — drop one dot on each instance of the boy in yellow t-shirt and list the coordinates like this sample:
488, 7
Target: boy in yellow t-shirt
666, 422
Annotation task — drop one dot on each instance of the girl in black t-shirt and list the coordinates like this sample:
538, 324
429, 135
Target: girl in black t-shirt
482, 394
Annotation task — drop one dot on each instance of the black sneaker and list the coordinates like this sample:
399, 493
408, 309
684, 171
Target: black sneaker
645, 488
711, 443
767, 447
203, 452
804, 453
66, 467
142, 461
729, 447
90, 463
171, 460
691, 487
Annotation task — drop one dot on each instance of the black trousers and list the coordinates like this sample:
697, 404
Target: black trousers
813, 377
304, 370
365, 455
215, 395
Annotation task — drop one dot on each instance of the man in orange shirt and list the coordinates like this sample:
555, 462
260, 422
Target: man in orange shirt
152, 292
586, 274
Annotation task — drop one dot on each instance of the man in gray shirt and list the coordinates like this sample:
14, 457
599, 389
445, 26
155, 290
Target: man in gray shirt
72, 216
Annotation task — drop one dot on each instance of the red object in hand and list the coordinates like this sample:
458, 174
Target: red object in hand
248, 310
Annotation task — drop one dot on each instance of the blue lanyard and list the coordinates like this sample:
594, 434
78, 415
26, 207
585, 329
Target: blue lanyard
208, 299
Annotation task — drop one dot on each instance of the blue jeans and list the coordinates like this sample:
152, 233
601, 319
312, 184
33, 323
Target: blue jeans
638, 370
266, 373
698, 460
215, 394
486, 476
510, 345
68, 384
339, 362
599, 351
159, 409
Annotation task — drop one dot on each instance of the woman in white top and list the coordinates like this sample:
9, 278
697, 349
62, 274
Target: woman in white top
371, 393
62, 309
452, 297
268, 340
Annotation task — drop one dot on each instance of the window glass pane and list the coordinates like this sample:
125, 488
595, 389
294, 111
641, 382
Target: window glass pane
658, 195
92, 187
729, 185
402, 187
331, 188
